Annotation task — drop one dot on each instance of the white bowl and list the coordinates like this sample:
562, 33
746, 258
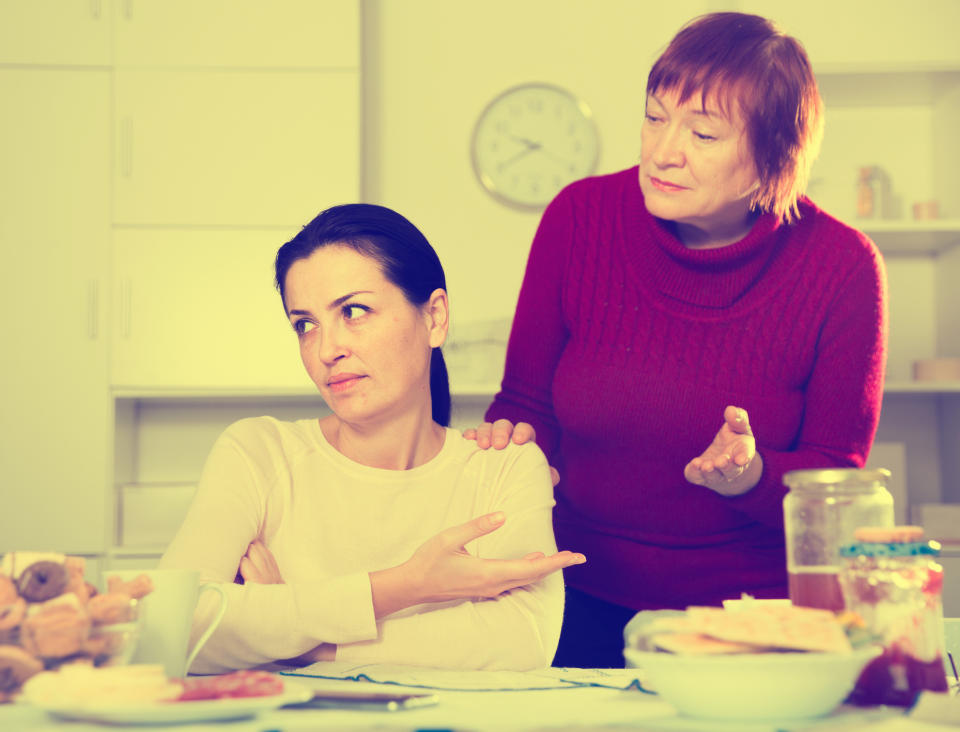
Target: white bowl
753, 685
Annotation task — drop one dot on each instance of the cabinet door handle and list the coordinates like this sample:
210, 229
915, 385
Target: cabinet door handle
126, 147
93, 309
126, 303
95, 9
128, 9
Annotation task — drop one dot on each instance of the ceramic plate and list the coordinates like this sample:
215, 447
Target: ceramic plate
180, 712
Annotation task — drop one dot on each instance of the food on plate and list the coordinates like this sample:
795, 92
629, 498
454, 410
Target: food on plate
76, 684
51, 615
82, 685
753, 628
237, 684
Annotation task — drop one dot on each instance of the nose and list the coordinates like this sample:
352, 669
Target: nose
332, 346
667, 148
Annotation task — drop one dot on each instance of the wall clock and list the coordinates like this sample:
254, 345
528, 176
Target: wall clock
531, 141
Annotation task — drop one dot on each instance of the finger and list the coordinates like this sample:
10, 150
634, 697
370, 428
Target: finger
693, 475
459, 536
519, 572
731, 471
524, 432
737, 419
483, 435
249, 572
502, 431
535, 555
470, 434
554, 476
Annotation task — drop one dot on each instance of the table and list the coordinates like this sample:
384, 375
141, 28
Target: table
558, 710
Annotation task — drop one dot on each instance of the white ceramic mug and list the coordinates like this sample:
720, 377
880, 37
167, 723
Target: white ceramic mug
167, 617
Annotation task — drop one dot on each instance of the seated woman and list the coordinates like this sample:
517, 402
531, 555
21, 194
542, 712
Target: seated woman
376, 534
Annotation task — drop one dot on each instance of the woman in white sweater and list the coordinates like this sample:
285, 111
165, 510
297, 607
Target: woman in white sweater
376, 534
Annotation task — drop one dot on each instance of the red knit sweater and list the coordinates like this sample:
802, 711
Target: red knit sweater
626, 347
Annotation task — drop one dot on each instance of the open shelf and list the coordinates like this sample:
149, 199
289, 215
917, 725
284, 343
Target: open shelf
912, 237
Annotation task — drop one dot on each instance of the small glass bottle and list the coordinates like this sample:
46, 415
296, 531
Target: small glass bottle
868, 189
892, 580
821, 512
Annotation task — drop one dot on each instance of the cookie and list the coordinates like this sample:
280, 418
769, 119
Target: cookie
8, 590
56, 633
42, 581
112, 607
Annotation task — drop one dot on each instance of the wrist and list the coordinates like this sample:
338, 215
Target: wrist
394, 589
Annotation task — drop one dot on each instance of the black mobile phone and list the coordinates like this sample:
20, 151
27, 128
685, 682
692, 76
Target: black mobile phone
381, 700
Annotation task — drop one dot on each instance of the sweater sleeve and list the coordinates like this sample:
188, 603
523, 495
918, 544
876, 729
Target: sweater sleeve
539, 333
518, 630
262, 623
843, 396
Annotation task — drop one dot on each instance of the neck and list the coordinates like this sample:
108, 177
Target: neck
398, 443
694, 236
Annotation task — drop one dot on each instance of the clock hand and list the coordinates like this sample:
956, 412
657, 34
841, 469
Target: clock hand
515, 158
523, 140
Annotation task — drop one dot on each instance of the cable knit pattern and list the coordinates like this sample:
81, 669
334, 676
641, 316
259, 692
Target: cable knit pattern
627, 346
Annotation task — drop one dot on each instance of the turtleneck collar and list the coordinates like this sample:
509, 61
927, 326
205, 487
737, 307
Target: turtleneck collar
700, 278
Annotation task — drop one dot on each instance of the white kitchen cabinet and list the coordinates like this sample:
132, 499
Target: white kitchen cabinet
280, 34
55, 238
234, 147
196, 309
56, 32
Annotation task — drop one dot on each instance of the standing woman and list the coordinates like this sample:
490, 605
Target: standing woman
699, 287
377, 533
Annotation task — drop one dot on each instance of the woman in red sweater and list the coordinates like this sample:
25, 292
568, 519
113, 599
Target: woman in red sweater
698, 287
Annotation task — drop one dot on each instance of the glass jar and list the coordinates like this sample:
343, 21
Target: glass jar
892, 580
821, 512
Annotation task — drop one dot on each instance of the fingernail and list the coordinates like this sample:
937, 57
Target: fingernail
496, 518
580, 559
741, 415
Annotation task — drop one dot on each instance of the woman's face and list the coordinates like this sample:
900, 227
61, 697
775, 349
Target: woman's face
695, 164
364, 345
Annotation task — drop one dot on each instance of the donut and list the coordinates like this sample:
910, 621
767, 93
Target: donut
16, 666
42, 581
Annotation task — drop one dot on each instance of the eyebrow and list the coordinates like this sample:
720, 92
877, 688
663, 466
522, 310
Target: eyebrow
333, 305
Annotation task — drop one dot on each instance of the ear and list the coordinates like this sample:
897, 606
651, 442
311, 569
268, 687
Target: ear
436, 313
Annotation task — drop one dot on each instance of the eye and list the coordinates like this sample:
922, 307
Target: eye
704, 138
652, 117
303, 326
353, 311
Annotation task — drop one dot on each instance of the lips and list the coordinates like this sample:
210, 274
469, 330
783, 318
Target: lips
342, 382
666, 186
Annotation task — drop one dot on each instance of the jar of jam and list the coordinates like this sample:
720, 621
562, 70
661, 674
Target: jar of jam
821, 512
891, 578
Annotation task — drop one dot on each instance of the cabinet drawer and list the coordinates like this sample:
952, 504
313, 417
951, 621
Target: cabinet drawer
150, 514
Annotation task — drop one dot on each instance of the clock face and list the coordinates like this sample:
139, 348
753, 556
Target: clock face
531, 141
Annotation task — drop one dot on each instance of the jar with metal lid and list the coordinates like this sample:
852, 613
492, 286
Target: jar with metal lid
891, 579
821, 512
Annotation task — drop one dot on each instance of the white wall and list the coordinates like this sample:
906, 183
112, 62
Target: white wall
432, 65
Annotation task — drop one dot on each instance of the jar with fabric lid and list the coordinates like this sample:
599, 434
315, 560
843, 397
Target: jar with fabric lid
892, 580
821, 512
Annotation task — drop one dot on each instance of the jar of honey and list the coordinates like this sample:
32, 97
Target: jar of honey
821, 512
891, 579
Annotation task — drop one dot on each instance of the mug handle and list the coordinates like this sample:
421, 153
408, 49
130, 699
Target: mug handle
213, 624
